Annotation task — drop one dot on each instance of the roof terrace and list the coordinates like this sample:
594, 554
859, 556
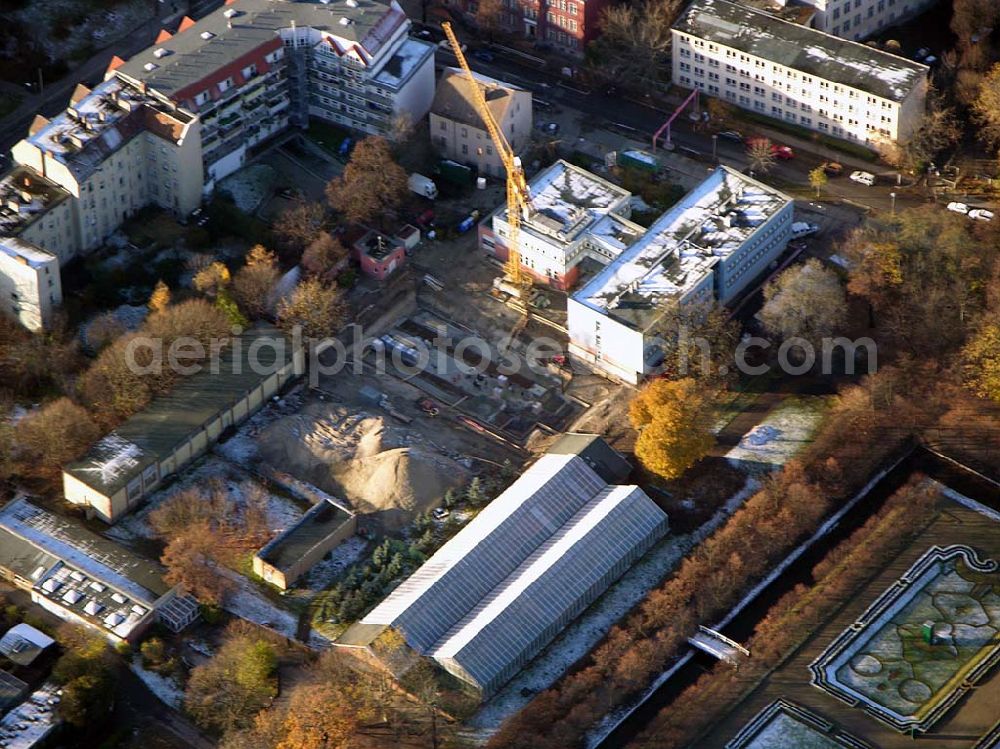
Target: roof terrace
100, 121
25, 196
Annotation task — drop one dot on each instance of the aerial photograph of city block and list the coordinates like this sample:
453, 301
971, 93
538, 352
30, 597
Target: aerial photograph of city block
499, 374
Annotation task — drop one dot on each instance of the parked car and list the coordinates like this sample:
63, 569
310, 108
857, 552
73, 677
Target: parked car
921, 53
981, 214
782, 152
802, 229
732, 135
552, 128
832, 169
865, 178
958, 207
483, 55
440, 513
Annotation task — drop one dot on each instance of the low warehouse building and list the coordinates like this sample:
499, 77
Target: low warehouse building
83, 577
124, 467
500, 590
295, 551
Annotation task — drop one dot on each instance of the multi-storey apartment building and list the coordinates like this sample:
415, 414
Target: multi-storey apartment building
800, 75
457, 129
114, 150
30, 286
253, 67
563, 25
858, 19
167, 124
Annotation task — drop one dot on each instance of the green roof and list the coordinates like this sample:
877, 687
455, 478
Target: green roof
169, 421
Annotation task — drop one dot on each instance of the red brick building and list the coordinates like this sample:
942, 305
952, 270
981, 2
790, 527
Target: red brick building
564, 25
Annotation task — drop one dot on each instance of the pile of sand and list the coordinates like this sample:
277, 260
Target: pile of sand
378, 467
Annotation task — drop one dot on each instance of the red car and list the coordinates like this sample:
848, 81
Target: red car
777, 151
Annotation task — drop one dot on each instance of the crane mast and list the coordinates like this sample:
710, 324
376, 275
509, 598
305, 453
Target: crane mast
518, 196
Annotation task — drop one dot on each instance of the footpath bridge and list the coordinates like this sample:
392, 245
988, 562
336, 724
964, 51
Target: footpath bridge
719, 646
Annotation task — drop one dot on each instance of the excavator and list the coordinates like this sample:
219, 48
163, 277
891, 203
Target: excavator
518, 195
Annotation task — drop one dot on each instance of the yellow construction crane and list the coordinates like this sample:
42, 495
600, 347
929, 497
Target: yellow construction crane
518, 196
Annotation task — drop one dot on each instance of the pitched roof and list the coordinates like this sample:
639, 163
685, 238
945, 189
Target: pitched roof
455, 98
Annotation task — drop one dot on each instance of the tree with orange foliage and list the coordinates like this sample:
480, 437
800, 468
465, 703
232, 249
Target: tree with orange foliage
190, 559
673, 422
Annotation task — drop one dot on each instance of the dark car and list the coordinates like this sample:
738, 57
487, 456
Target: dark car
483, 55
732, 135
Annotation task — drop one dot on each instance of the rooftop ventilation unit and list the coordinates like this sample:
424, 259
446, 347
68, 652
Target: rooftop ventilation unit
161, 52
150, 66
206, 35
346, 21
230, 13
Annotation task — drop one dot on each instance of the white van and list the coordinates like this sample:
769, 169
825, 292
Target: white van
865, 178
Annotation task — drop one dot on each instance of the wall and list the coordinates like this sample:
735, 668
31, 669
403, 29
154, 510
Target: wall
619, 352
37, 288
286, 578
78, 493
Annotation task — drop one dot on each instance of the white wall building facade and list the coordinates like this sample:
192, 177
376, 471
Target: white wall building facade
773, 67
711, 245
457, 129
858, 19
30, 286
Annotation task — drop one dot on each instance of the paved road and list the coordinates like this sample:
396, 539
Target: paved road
642, 119
56, 96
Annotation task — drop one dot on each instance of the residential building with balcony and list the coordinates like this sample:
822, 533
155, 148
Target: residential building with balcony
253, 67
796, 74
457, 129
115, 150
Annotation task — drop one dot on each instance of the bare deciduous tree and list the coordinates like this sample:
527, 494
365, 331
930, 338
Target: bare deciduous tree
634, 41
806, 300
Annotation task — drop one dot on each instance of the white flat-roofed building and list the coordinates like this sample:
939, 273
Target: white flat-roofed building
717, 239
759, 62
81, 576
30, 284
500, 590
574, 214
858, 19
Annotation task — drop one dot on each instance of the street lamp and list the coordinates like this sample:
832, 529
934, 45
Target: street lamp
715, 141
892, 196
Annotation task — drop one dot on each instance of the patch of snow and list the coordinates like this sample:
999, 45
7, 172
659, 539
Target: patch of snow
249, 186
165, 688
281, 511
781, 435
248, 603
324, 572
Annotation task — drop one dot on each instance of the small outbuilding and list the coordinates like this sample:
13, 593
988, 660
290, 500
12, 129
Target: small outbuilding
22, 644
295, 551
